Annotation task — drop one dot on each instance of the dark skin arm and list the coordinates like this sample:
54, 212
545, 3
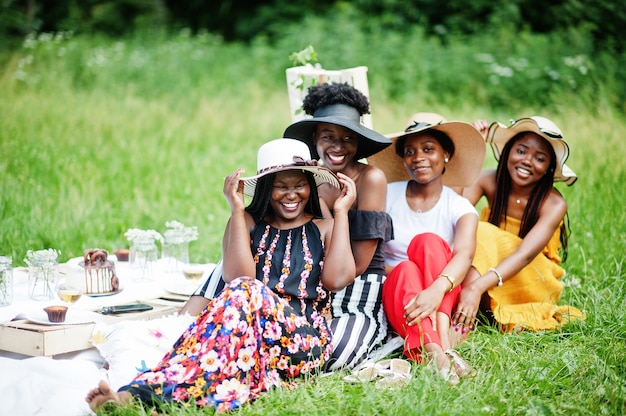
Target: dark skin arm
551, 214
426, 302
371, 196
236, 248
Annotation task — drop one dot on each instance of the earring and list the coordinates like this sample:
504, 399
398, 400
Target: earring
445, 160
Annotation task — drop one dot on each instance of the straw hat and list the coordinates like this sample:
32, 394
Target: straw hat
369, 142
287, 154
464, 165
498, 136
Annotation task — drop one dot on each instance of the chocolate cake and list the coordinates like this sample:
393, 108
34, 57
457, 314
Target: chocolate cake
99, 272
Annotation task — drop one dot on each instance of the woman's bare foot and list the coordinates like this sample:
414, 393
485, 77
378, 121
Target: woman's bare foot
103, 394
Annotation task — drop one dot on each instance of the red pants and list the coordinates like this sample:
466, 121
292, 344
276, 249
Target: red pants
427, 254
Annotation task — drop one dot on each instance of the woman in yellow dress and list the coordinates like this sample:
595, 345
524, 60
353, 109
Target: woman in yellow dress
523, 231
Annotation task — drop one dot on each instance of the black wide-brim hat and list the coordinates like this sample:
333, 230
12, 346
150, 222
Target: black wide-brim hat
369, 143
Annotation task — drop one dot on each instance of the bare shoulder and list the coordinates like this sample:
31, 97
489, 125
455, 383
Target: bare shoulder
485, 185
374, 176
554, 203
371, 189
325, 225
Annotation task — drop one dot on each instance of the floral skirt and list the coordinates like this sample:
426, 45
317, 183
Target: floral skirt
247, 340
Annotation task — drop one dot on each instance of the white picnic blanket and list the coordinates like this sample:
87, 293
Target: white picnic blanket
58, 386
47, 386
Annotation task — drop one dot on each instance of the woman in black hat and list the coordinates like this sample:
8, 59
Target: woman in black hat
337, 138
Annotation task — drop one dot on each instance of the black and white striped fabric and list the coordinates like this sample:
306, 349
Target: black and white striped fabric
213, 284
358, 325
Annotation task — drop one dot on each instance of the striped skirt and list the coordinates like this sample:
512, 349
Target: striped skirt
358, 325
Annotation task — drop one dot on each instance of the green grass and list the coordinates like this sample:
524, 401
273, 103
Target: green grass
99, 136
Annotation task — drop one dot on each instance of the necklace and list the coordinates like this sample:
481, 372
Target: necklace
517, 199
426, 204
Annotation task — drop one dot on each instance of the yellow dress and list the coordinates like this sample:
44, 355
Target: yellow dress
528, 299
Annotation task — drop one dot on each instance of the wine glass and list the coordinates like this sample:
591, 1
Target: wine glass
68, 291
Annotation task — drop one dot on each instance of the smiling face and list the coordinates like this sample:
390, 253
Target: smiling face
290, 194
529, 159
336, 145
424, 158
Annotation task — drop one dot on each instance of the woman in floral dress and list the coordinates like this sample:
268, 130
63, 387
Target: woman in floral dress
260, 333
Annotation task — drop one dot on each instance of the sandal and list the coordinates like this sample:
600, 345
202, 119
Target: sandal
450, 376
368, 371
396, 372
394, 366
393, 372
461, 367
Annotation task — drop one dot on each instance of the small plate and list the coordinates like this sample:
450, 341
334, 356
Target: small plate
73, 317
182, 287
99, 295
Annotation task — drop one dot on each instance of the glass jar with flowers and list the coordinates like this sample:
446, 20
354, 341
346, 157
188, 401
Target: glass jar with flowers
42, 273
6, 281
175, 252
143, 253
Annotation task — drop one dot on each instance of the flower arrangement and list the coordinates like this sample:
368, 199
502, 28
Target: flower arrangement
143, 250
6, 273
42, 273
178, 229
136, 235
176, 245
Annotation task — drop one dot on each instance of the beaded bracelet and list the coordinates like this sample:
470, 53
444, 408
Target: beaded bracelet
497, 274
450, 279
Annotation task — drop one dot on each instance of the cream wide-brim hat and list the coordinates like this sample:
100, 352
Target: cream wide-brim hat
499, 135
287, 154
463, 167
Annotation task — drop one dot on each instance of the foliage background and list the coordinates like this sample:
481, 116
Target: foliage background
102, 130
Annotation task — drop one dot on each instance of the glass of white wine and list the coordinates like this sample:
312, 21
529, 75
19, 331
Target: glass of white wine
68, 291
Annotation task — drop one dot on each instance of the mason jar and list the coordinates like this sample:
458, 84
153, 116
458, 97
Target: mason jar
42, 279
143, 256
6, 281
175, 252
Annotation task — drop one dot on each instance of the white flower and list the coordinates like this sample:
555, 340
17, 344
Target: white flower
178, 231
135, 234
41, 257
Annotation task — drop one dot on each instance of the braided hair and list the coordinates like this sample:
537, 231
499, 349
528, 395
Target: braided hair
322, 95
260, 204
537, 196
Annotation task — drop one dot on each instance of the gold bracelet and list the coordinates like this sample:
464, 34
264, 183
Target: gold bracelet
450, 279
497, 274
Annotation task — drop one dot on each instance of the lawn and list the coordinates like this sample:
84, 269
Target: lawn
99, 136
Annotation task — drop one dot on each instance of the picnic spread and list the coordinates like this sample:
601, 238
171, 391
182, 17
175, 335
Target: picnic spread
48, 367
